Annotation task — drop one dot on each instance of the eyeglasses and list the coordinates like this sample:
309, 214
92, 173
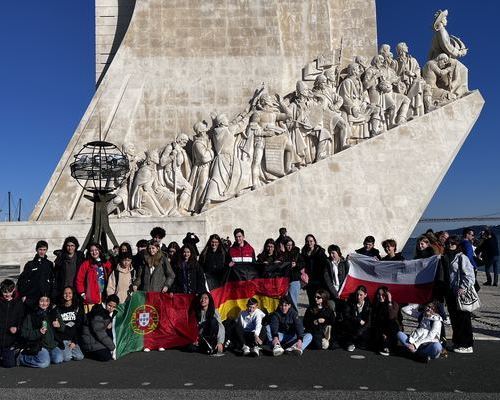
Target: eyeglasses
318, 297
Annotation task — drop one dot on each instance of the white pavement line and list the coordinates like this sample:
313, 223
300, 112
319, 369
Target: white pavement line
486, 338
103, 383
228, 385
364, 387
457, 391
22, 382
357, 357
145, 383
273, 386
189, 384
410, 389
62, 382
317, 387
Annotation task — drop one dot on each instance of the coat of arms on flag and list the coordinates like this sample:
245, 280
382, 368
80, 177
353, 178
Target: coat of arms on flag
144, 319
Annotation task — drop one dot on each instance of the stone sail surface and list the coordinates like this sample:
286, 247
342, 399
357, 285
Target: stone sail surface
180, 60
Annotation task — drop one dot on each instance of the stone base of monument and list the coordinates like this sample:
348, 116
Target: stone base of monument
380, 187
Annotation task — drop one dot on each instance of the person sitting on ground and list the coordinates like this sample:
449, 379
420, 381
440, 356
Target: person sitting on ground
155, 274
11, 318
213, 260
368, 248
37, 277
121, 279
293, 256
386, 321
390, 247
97, 333
285, 330
72, 316
66, 265
211, 332
335, 273
189, 277
246, 335
318, 321
92, 277
423, 342
269, 254
315, 262
353, 322
38, 331
240, 251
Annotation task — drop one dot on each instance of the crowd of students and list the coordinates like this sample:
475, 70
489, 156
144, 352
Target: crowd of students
63, 311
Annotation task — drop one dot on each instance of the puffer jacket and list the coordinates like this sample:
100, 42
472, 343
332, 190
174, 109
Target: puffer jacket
94, 333
429, 330
87, 281
11, 315
461, 273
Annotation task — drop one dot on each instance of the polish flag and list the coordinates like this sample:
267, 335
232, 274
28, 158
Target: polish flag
409, 281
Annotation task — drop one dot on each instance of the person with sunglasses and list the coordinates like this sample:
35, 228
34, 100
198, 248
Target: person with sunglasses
318, 321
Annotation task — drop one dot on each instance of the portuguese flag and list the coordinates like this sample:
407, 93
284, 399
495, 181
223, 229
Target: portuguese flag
154, 320
266, 283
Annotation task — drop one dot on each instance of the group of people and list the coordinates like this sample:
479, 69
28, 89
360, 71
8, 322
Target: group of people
63, 311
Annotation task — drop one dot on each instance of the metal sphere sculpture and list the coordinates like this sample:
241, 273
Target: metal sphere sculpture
100, 168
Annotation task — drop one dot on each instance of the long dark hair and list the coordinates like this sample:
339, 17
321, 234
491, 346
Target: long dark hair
377, 301
325, 296
192, 257
207, 248
210, 313
75, 299
306, 246
269, 241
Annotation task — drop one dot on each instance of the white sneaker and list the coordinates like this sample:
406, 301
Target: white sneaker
447, 321
146, 350
384, 352
246, 350
255, 351
411, 310
294, 350
351, 347
278, 350
463, 350
161, 348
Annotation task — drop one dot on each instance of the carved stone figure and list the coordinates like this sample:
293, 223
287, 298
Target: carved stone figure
389, 61
408, 71
358, 111
332, 103
202, 157
175, 170
438, 74
453, 47
393, 108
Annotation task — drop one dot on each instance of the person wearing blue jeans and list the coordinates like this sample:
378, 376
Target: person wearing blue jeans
38, 330
423, 342
285, 330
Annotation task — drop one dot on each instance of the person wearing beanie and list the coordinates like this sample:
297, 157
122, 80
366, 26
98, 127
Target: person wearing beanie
37, 277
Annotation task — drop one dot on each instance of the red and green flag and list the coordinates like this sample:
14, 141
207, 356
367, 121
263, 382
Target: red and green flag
154, 320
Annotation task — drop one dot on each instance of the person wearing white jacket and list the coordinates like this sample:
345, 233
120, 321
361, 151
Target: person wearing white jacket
424, 341
248, 328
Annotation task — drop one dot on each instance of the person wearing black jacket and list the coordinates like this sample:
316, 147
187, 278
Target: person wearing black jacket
66, 265
386, 321
286, 330
72, 316
335, 272
318, 321
368, 248
390, 246
315, 262
37, 278
293, 256
488, 250
213, 260
11, 318
189, 278
353, 320
97, 333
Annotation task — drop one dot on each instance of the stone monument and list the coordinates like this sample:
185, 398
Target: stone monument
264, 114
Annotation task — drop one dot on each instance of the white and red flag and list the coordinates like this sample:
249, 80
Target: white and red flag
409, 281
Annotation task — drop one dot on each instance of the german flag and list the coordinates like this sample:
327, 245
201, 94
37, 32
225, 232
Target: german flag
266, 283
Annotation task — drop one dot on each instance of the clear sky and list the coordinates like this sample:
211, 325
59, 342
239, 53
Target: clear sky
48, 75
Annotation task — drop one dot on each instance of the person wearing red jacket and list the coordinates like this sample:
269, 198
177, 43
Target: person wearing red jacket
240, 251
92, 277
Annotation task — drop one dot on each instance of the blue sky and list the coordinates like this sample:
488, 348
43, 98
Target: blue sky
48, 74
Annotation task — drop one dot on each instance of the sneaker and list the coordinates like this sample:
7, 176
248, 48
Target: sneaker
411, 310
161, 348
325, 344
278, 350
146, 350
294, 350
351, 347
447, 321
384, 352
255, 351
246, 350
463, 350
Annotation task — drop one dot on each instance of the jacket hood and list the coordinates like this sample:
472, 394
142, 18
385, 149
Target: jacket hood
434, 317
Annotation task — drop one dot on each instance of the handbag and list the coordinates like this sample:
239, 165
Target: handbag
469, 300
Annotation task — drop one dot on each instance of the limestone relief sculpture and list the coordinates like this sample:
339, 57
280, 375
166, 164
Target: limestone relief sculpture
278, 134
